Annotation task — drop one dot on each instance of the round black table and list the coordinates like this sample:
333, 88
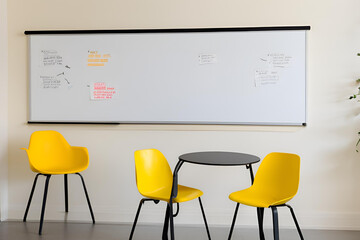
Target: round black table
219, 158
207, 158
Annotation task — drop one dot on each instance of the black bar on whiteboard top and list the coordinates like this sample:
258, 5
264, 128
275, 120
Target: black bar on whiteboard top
107, 123
175, 30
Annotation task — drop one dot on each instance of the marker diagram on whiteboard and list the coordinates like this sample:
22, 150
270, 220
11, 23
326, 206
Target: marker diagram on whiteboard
270, 74
53, 73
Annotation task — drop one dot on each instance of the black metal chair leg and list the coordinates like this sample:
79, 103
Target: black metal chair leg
233, 221
136, 218
30, 198
260, 214
138, 212
203, 213
172, 233
275, 223
44, 203
166, 223
87, 197
296, 222
66, 192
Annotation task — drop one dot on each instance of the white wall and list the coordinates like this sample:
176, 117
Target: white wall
329, 191
3, 111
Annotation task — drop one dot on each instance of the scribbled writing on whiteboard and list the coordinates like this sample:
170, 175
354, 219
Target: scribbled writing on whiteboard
101, 91
97, 59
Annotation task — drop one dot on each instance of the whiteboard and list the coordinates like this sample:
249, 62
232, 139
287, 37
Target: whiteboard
204, 76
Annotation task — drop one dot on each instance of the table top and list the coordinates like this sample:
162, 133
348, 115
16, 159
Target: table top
219, 158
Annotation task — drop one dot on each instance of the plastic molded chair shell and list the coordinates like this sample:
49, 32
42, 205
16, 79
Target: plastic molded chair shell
275, 183
154, 178
50, 153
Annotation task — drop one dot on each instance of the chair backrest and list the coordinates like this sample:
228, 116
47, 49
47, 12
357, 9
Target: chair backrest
152, 171
279, 175
48, 149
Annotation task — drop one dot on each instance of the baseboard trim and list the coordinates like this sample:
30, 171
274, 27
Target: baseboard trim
188, 218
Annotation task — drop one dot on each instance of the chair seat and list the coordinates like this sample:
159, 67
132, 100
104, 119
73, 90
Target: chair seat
184, 194
257, 198
61, 170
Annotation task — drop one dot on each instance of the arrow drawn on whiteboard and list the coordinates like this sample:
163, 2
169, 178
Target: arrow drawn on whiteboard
63, 73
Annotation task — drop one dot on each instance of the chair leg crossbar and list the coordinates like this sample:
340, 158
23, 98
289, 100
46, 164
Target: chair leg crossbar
45, 197
167, 217
177, 210
275, 221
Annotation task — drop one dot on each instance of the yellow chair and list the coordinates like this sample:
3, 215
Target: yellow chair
50, 154
275, 183
154, 181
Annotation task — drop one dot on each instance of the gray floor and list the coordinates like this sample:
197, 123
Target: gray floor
87, 231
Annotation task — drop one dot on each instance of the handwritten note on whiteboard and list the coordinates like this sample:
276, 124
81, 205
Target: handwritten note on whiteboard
271, 68
97, 59
49, 82
207, 59
50, 58
265, 77
53, 71
101, 91
277, 60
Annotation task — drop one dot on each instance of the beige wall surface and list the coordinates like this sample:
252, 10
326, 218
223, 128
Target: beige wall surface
3, 112
329, 192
